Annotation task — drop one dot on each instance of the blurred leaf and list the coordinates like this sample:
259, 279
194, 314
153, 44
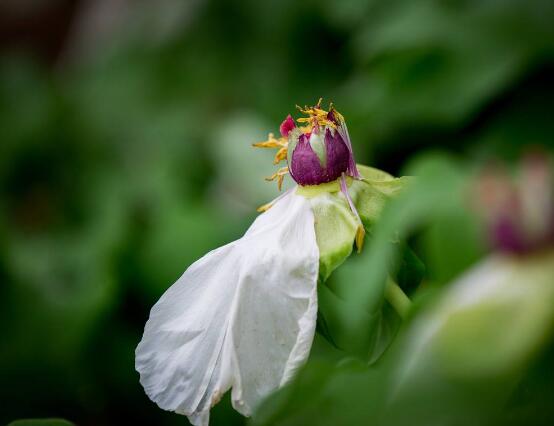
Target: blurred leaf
410, 270
351, 308
513, 317
322, 394
472, 346
41, 422
241, 169
344, 324
452, 243
436, 63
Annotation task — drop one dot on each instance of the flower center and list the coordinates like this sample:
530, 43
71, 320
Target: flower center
317, 151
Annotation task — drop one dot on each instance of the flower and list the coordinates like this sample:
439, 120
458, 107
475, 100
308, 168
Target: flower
243, 317
519, 215
318, 152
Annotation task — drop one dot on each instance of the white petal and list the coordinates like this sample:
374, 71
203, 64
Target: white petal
243, 316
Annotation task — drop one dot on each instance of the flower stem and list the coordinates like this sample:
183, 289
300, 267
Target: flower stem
397, 298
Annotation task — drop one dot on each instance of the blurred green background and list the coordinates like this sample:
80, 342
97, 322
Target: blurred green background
125, 151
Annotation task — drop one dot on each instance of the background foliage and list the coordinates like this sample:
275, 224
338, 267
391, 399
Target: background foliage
125, 155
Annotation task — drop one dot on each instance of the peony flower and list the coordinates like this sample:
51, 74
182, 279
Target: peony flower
243, 317
519, 215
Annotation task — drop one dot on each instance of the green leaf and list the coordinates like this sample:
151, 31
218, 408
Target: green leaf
344, 324
426, 67
320, 393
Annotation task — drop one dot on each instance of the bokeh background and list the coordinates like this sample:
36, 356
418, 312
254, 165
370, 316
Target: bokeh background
125, 151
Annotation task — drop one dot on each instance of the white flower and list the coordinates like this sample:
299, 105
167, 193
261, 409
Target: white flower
242, 317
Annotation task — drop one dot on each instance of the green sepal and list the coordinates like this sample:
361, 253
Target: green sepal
335, 224
335, 229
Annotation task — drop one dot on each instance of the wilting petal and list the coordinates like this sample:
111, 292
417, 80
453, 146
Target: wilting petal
243, 316
352, 167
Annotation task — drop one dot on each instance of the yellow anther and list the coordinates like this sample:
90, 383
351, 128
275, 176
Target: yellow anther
279, 175
317, 116
337, 114
265, 207
281, 155
360, 235
319, 111
271, 142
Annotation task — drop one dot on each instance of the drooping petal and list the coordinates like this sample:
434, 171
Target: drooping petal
243, 316
352, 166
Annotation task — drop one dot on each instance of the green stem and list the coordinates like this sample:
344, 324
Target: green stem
397, 298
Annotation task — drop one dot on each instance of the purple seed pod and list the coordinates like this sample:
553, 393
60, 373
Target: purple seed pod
338, 119
338, 155
305, 167
321, 155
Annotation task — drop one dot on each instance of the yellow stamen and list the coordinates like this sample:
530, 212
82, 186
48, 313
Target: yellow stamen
279, 175
360, 234
265, 207
281, 155
337, 114
272, 142
316, 116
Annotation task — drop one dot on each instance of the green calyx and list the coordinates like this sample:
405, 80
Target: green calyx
335, 224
